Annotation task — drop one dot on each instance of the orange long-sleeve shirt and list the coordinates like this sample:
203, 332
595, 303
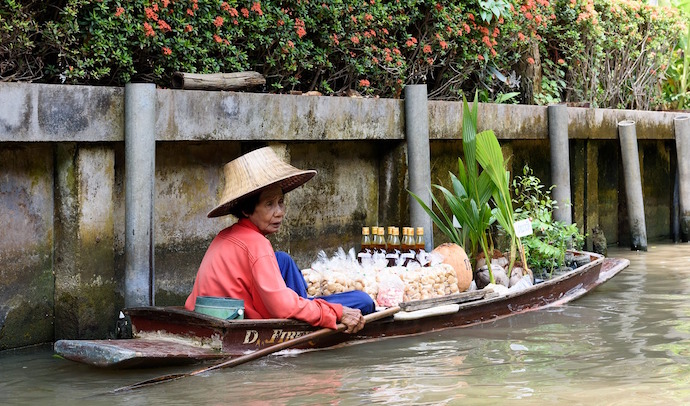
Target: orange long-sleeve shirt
240, 263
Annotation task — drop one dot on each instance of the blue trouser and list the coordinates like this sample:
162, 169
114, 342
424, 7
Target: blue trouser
295, 281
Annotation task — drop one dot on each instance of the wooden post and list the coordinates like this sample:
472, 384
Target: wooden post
217, 81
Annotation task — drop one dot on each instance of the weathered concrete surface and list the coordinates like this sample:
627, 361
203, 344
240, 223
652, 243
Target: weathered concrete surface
56, 113
26, 245
87, 292
356, 145
200, 115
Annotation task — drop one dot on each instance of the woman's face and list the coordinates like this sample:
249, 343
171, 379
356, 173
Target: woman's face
269, 212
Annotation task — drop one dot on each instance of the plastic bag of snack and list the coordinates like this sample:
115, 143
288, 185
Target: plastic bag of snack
391, 290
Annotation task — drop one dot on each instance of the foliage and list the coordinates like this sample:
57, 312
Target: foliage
19, 34
616, 52
546, 247
611, 53
675, 86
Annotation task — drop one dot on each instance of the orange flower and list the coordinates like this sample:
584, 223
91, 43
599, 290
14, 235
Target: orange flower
354, 39
364, 83
150, 14
225, 6
167, 51
188, 28
148, 30
299, 28
244, 12
190, 12
166, 3
218, 21
217, 38
163, 26
256, 7
561, 61
290, 44
530, 60
480, 57
427, 49
233, 12
119, 11
443, 44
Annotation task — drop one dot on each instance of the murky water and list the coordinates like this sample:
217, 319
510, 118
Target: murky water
625, 343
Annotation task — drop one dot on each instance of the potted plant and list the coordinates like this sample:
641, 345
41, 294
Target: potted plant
546, 247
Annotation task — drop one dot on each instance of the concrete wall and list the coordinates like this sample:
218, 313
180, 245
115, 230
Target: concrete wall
62, 185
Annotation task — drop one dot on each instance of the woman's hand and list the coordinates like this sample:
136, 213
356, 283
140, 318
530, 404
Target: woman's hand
353, 319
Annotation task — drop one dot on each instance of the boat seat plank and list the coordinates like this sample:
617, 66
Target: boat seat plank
456, 298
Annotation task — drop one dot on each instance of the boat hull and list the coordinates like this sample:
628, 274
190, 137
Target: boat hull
212, 337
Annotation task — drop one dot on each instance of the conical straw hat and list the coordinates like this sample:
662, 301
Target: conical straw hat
255, 171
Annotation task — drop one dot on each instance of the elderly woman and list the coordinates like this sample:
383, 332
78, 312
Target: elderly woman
240, 262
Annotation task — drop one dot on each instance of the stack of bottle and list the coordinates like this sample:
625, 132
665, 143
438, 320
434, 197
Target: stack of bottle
397, 251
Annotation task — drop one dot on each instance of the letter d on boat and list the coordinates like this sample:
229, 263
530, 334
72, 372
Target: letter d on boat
250, 337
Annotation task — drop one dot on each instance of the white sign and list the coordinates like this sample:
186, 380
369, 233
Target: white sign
456, 223
522, 228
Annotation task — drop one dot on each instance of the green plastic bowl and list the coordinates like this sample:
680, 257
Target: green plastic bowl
221, 307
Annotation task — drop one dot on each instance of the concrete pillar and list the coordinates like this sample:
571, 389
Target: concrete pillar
681, 126
633, 185
140, 154
560, 162
418, 157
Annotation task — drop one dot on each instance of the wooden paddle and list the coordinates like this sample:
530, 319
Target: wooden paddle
260, 353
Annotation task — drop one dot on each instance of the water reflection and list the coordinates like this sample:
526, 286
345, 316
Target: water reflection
626, 343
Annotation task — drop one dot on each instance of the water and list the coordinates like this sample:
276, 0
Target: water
625, 343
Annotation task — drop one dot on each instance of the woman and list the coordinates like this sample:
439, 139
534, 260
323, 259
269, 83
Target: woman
240, 262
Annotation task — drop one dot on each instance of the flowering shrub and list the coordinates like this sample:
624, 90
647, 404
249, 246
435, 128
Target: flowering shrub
618, 51
571, 49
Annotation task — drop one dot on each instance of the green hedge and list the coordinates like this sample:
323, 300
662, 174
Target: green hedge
544, 51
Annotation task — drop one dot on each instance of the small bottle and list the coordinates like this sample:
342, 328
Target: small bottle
407, 246
420, 246
423, 257
365, 245
375, 243
393, 246
381, 248
407, 241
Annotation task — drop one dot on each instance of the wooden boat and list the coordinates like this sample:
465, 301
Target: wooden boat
173, 335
